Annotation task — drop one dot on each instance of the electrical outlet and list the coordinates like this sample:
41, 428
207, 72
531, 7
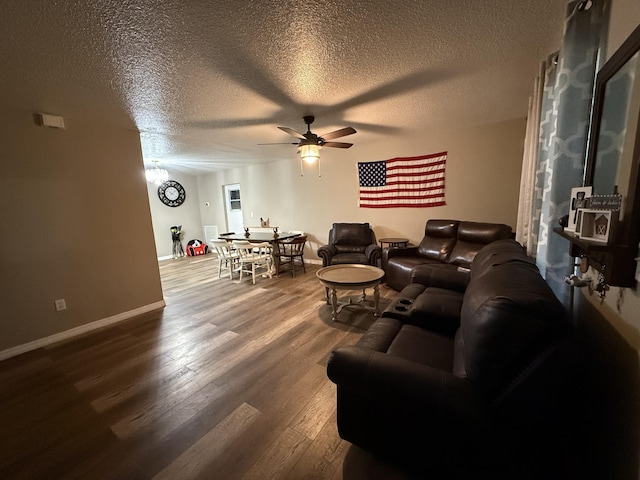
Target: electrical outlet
60, 305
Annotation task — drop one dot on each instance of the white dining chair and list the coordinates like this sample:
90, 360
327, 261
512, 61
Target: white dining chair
228, 258
254, 257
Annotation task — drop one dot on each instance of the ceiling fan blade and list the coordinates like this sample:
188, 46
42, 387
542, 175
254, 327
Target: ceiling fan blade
337, 144
284, 143
290, 131
343, 132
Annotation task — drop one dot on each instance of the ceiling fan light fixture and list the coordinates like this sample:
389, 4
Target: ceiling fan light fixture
156, 175
310, 153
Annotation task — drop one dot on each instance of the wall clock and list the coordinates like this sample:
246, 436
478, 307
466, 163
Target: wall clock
171, 193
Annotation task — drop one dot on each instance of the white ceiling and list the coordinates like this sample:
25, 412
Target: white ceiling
206, 81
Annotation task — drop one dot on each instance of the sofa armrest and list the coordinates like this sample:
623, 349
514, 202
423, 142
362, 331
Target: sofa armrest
394, 380
441, 276
373, 253
401, 252
388, 253
326, 252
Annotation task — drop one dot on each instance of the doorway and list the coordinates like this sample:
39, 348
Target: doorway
233, 205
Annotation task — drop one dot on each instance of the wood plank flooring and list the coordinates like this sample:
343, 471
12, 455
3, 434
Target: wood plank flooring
227, 382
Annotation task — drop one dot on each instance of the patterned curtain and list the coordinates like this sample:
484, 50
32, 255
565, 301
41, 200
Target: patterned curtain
555, 151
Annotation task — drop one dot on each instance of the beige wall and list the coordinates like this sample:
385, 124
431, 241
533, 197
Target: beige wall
482, 181
622, 305
76, 225
187, 214
625, 17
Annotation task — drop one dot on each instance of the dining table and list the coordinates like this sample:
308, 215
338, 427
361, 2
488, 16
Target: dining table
259, 237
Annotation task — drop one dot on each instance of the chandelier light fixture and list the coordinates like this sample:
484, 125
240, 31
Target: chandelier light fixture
156, 175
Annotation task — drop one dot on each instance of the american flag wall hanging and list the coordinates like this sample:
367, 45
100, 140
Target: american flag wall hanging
403, 182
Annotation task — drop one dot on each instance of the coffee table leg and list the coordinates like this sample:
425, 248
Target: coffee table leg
334, 304
376, 297
364, 295
326, 295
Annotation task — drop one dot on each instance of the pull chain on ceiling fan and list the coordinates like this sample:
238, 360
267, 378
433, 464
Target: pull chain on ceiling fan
310, 144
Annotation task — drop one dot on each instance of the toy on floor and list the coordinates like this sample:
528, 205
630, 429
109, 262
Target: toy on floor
196, 247
177, 250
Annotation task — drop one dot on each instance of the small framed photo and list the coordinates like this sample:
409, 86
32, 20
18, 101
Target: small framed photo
579, 196
596, 225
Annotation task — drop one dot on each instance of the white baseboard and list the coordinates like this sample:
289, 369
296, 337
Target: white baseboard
74, 332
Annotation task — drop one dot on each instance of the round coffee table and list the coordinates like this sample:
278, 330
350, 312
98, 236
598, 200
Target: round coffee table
350, 277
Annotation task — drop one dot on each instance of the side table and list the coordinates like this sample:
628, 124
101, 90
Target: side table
394, 242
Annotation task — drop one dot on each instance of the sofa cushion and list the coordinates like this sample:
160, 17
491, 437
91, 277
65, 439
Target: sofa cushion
437, 310
424, 347
472, 237
352, 234
349, 257
347, 248
439, 238
409, 342
498, 253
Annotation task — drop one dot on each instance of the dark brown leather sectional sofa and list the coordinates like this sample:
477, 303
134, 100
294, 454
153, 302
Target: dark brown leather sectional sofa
463, 378
448, 244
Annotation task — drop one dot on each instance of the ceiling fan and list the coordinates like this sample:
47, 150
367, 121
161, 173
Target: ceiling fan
310, 144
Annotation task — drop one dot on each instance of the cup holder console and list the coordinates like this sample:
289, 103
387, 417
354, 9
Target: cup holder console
403, 305
400, 308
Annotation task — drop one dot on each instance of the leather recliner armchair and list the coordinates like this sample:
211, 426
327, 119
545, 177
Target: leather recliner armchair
350, 243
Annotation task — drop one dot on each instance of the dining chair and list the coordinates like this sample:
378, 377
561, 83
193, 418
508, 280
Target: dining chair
297, 232
253, 256
228, 258
289, 252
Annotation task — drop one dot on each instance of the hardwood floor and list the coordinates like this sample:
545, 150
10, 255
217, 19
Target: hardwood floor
227, 382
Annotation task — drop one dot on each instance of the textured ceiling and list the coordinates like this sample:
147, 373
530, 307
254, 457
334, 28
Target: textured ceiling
204, 82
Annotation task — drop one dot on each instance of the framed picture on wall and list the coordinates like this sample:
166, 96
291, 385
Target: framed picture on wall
579, 199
